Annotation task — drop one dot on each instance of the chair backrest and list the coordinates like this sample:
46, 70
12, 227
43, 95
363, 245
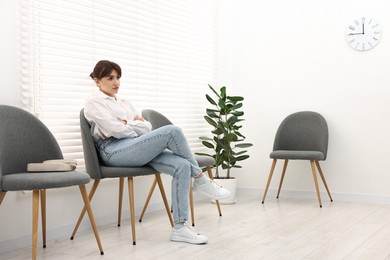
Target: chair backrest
155, 118
303, 131
91, 156
24, 139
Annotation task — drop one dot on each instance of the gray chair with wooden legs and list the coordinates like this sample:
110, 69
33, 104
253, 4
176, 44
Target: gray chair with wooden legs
98, 171
158, 120
301, 136
25, 139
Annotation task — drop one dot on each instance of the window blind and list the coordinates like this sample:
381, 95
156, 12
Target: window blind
167, 51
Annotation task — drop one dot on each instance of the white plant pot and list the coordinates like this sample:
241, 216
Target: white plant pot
230, 185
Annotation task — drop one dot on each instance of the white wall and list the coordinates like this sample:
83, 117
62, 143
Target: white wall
10, 92
287, 56
293, 55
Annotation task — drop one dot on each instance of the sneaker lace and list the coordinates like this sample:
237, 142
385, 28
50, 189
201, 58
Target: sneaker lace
215, 185
190, 230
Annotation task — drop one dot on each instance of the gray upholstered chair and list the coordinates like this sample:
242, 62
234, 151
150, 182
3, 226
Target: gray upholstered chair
25, 139
98, 171
301, 136
158, 120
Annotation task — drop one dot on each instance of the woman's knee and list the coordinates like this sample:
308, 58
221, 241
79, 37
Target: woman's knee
174, 129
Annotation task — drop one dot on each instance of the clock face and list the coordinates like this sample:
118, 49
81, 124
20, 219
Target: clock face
363, 33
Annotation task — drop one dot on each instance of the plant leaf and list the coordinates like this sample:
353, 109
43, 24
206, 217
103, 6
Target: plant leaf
208, 144
204, 154
211, 100
210, 121
244, 145
231, 137
215, 92
242, 157
205, 138
236, 98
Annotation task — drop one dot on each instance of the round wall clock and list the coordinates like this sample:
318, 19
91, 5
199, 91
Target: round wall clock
363, 33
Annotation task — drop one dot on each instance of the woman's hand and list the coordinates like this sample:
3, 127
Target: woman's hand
139, 117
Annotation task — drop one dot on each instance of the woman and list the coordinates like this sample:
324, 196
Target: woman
124, 138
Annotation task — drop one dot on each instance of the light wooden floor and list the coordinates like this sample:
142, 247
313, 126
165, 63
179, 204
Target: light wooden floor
279, 229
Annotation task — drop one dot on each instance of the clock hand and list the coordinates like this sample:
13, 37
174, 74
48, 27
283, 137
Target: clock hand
363, 27
355, 33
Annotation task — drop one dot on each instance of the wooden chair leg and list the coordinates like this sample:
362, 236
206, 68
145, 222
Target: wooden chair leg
121, 184
191, 195
87, 204
164, 197
282, 177
157, 180
148, 199
269, 179
210, 173
43, 214
35, 211
130, 184
90, 196
313, 169
2, 195
323, 179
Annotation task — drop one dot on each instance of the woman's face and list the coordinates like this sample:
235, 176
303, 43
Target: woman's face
109, 85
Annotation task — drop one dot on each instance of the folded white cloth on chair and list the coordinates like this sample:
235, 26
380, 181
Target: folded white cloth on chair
59, 165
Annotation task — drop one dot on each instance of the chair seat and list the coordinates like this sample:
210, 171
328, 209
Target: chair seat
204, 161
115, 172
43, 180
297, 155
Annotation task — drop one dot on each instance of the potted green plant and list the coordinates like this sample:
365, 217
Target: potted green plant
227, 144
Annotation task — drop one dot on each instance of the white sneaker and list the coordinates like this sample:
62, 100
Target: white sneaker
187, 234
211, 189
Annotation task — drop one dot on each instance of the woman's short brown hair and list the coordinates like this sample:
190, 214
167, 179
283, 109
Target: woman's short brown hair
104, 68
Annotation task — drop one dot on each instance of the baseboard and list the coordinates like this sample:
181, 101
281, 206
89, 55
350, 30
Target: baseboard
337, 196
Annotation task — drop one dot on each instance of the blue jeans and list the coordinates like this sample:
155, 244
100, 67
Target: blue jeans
167, 151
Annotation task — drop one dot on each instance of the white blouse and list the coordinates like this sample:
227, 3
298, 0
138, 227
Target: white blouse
107, 115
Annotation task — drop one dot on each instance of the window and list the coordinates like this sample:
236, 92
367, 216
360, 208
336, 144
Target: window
167, 51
